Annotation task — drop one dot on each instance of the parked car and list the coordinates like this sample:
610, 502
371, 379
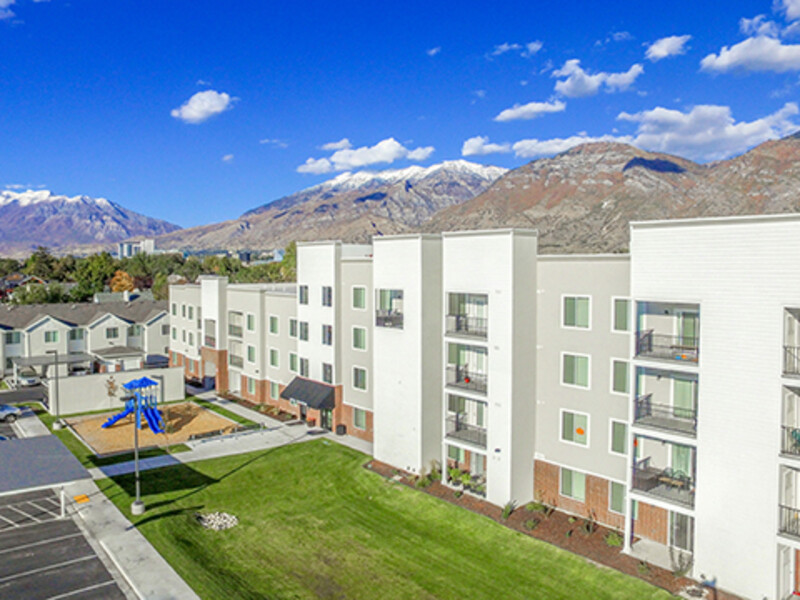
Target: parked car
4, 438
9, 413
27, 378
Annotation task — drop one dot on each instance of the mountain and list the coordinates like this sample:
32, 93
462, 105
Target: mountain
33, 218
351, 207
583, 199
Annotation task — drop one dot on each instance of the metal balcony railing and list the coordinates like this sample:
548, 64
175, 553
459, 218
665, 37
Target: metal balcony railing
389, 318
670, 347
790, 440
667, 484
458, 429
664, 416
464, 325
789, 520
791, 360
462, 377
236, 361
210, 341
235, 330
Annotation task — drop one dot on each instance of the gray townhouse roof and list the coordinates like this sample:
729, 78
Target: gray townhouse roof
19, 316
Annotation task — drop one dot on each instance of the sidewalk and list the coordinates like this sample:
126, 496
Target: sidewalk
29, 425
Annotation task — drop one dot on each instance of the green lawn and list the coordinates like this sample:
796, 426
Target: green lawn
314, 524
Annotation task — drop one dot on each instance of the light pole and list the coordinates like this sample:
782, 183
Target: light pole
137, 508
57, 424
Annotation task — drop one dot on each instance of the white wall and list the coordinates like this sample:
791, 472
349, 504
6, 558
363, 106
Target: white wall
318, 265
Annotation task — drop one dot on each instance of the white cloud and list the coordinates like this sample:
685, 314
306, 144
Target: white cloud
532, 48
534, 148
667, 46
621, 36
274, 142
707, 132
760, 53
202, 82
579, 83
202, 106
433, 51
316, 166
505, 47
759, 25
790, 8
525, 50
345, 159
530, 110
480, 145
342, 144
5, 11
227, 158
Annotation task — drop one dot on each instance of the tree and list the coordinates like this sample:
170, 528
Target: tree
289, 263
39, 294
93, 273
160, 287
64, 268
191, 268
40, 263
122, 282
8, 266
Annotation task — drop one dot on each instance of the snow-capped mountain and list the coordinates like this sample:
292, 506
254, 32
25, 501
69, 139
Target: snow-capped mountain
33, 218
351, 206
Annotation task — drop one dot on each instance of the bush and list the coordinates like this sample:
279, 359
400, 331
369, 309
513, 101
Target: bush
458, 493
572, 519
643, 568
588, 526
531, 524
422, 482
613, 539
535, 507
508, 509
466, 479
454, 475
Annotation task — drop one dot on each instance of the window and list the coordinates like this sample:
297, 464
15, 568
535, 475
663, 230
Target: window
327, 373
112, 333
9, 364
251, 354
293, 362
573, 484
303, 367
302, 294
619, 437
51, 337
576, 311
165, 330
327, 295
304, 331
635, 509
621, 312
134, 330
273, 325
359, 418
455, 453
327, 335
575, 370
575, 427
274, 357
174, 310
183, 336
190, 311
174, 334
13, 337
359, 378
274, 390
183, 310
293, 328
616, 498
389, 309
619, 376
251, 385
359, 297
359, 338
191, 339
77, 334
251, 322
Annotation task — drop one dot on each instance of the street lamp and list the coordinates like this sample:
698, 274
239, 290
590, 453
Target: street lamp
58, 424
137, 508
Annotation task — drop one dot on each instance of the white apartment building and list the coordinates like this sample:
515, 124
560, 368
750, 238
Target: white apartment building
130, 249
656, 392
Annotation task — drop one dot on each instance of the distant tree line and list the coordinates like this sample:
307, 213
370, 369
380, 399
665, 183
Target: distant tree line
98, 272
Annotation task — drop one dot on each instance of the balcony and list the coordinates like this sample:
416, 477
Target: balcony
664, 416
461, 377
459, 429
790, 440
468, 326
389, 318
210, 341
667, 347
668, 484
235, 330
389, 308
235, 361
791, 361
789, 521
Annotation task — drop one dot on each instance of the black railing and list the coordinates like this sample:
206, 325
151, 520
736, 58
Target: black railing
465, 325
210, 341
791, 360
667, 484
389, 318
235, 330
789, 520
664, 416
790, 443
236, 361
673, 347
466, 432
464, 378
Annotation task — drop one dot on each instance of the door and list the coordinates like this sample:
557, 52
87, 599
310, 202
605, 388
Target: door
303, 411
683, 398
786, 562
688, 326
326, 419
682, 460
681, 531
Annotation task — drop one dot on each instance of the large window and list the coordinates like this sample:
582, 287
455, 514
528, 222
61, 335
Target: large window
251, 354
302, 294
327, 335
174, 309
293, 362
359, 338
573, 484
251, 322
273, 325
134, 330
293, 328
51, 337
619, 382
274, 390
251, 385
190, 314
576, 311
575, 370
13, 337
616, 498
191, 339
304, 367
359, 297
327, 373
327, 295
621, 315
359, 418
359, 378
389, 308
575, 427
112, 333
273, 357
77, 334
303, 331
619, 437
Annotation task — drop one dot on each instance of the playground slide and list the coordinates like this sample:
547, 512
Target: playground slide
154, 420
111, 420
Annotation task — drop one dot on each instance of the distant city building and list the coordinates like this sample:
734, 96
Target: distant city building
129, 249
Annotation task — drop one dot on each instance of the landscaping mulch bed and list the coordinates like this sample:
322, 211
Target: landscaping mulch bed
264, 409
560, 529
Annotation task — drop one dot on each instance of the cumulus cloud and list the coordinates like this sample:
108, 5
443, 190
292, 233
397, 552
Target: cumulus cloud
534, 148
532, 48
760, 53
345, 159
579, 83
480, 145
667, 46
227, 158
274, 142
5, 11
202, 106
433, 51
505, 47
342, 144
759, 25
790, 8
530, 110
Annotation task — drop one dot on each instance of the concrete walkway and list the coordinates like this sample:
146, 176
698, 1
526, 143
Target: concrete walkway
29, 425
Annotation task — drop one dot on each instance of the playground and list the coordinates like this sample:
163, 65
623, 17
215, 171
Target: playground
177, 423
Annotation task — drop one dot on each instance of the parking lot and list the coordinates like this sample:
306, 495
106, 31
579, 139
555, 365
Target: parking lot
7, 430
44, 557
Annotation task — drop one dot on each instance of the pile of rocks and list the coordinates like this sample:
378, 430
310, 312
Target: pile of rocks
218, 521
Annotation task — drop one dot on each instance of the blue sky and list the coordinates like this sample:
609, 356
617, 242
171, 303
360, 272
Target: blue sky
195, 112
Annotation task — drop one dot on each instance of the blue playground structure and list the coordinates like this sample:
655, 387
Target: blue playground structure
144, 403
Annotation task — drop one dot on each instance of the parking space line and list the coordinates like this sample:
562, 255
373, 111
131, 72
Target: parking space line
48, 541
9, 521
49, 512
47, 568
86, 589
23, 513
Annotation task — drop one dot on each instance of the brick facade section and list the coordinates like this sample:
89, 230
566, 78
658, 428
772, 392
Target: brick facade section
219, 358
261, 394
348, 419
652, 524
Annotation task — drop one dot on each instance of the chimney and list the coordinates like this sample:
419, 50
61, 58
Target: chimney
126, 296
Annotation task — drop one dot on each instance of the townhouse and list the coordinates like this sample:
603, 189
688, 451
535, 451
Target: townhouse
655, 392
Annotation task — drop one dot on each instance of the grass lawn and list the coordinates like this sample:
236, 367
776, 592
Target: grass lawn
314, 524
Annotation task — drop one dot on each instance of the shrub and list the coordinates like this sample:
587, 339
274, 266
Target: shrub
531, 524
454, 475
458, 493
588, 526
466, 479
535, 507
572, 519
568, 533
422, 482
613, 539
643, 568
508, 509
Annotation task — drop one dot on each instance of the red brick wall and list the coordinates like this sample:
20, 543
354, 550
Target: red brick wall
262, 391
348, 413
220, 359
653, 523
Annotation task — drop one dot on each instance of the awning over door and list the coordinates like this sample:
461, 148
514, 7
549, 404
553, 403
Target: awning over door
313, 394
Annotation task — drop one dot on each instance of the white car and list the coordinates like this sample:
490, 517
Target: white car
28, 378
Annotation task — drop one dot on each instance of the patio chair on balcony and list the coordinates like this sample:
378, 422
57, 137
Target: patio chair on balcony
675, 478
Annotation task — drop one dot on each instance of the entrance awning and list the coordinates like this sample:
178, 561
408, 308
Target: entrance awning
311, 393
